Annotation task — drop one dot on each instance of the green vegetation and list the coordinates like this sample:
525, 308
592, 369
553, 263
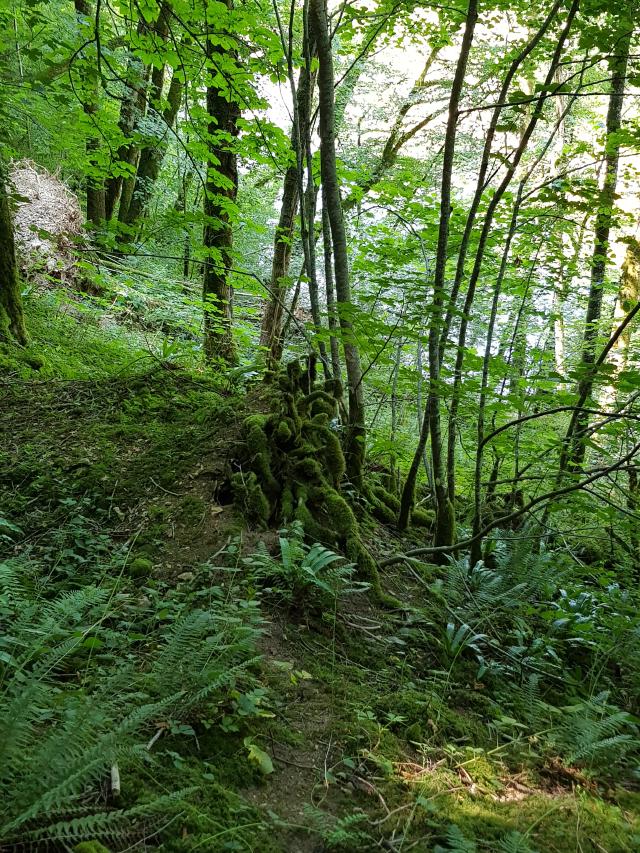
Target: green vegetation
319, 446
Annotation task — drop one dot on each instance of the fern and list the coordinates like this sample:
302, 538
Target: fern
304, 573
595, 734
60, 737
456, 842
515, 842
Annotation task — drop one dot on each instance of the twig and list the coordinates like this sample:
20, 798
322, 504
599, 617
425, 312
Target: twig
162, 488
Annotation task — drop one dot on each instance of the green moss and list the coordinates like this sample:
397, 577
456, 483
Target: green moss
286, 504
317, 402
332, 454
21, 360
379, 508
259, 452
335, 388
391, 500
140, 567
192, 509
250, 498
308, 470
284, 432
414, 733
547, 821
255, 425
423, 517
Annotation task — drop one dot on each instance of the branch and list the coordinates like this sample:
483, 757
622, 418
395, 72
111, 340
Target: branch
498, 522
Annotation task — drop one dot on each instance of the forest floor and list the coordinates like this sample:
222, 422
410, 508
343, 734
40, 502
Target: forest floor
356, 730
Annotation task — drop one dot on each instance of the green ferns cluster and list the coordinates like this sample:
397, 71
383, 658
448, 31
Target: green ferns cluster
66, 720
293, 464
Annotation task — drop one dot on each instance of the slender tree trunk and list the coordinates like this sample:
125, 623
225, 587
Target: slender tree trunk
273, 317
180, 207
481, 183
392, 482
628, 297
152, 154
312, 273
152, 157
133, 103
132, 154
271, 334
11, 319
482, 243
356, 431
574, 450
633, 505
476, 548
445, 513
220, 194
96, 201
330, 292
407, 498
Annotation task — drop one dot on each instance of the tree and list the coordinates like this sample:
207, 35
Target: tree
445, 513
12, 326
151, 155
576, 433
96, 197
220, 194
356, 431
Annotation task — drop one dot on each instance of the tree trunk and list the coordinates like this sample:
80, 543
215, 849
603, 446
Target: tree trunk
271, 335
273, 317
131, 107
628, 296
574, 451
151, 158
476, 548
445, 513
152, 154
356, 432
487, 224
633, 505
220, 195
96, 202
11, 319
330, 293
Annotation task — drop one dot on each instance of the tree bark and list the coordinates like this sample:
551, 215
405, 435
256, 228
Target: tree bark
96, 201
356, 431
220, 195
628, 297
330, 292
271, 335
12, 326
574, 449
445, 533
132, 106
152, 154
481, 183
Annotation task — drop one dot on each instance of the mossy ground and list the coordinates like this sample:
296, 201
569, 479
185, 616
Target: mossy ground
374, 743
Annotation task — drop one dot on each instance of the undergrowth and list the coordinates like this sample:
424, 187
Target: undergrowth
158, 692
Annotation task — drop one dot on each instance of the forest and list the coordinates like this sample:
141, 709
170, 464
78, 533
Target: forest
319, 426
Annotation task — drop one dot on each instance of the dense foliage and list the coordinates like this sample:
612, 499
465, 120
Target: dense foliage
319, 375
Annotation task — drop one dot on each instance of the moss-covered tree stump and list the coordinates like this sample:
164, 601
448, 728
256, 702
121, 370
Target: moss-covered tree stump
292, 464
